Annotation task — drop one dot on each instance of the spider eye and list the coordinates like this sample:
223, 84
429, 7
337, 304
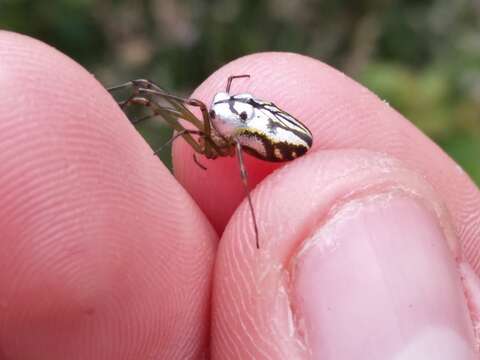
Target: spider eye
243, 115
212, 114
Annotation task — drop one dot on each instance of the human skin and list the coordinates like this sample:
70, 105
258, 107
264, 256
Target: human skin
369, 243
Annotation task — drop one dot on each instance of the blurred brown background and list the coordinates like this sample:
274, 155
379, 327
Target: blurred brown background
423, 57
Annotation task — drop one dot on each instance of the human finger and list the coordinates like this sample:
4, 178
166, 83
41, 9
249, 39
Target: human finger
358, 259
341, 114
104, 255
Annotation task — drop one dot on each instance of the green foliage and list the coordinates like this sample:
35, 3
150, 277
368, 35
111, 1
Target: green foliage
67, 24
430, 100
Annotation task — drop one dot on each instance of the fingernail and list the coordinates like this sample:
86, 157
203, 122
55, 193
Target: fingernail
377, 281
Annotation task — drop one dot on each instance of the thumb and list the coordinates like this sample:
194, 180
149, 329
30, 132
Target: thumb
357, 262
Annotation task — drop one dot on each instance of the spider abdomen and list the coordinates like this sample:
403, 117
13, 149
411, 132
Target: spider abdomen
264, 130
262, 147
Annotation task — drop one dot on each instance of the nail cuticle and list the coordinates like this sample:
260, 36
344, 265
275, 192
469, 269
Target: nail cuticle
354, 200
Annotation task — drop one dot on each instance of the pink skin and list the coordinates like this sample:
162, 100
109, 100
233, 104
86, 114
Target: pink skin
105, 256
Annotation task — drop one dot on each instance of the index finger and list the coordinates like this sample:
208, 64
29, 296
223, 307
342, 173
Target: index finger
341, 114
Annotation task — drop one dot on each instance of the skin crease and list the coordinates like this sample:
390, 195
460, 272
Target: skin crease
105, 256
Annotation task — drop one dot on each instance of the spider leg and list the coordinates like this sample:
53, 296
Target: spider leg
137, 85
230, 78
207, 127
166, 114
176, 136
195, 160
148, 86
149, 116
121, 86
145, 92
244, 176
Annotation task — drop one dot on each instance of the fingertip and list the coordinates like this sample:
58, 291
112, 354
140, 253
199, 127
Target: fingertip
341, 114
328, 216
97, 236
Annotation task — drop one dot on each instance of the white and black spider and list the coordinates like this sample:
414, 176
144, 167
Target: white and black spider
232, 124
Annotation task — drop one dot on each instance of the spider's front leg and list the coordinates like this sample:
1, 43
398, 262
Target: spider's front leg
212, 149
147, 93
171, 117
244, 177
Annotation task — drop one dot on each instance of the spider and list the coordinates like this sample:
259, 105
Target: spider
232, 124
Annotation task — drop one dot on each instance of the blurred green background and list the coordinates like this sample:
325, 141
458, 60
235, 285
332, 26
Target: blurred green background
423, 57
